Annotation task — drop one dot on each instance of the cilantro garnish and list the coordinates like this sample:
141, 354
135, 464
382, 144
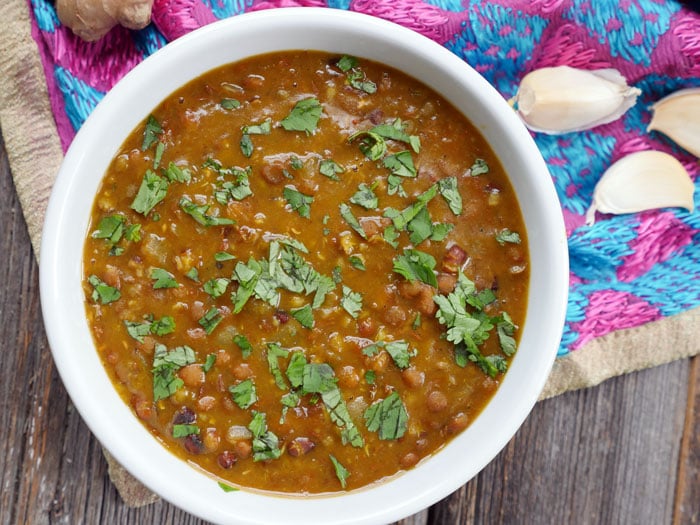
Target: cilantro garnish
298, 201
160, 148
199, 214
416, 265
265, 442
175, 173
365, 197
237, 189
370, 377
244, 393
357, 262
398, 350
210, 320
304, 116
274, 352
193, 274
223, 256
227, 488
355, 77
184, 430
505, 329
416, 322
152, 190
330, 169
110, 228
295, 369
340, 471
391, 236
242, 342
263, 128
102, 292
479, 167
162, 279
133, 233
216, 287
448, 190
165, 365
388, 417
211, 359
351, 302
507, 236
159, 327
151, 132
304, 315
230, 103
246, 145
401, 165
346, 213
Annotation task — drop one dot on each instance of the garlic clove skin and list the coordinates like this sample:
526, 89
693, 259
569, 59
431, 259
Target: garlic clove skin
562, 99
678, 117
641, 181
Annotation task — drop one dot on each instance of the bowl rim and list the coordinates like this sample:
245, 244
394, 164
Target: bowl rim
388, 501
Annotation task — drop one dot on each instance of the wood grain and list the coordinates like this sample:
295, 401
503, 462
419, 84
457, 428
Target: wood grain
627, 451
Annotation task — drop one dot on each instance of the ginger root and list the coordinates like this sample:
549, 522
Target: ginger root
92, 19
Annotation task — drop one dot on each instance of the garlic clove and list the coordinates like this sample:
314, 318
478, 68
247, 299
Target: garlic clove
642, 181
678, 117
563, 99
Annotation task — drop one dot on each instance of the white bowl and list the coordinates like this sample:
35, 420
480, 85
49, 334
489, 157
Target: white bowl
335, 31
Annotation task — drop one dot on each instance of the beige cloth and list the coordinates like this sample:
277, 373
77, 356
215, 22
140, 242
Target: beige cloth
35, 155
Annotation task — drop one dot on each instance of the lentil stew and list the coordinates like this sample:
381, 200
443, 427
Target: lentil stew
305, 273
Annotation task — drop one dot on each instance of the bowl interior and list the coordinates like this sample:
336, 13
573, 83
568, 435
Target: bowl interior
132, 100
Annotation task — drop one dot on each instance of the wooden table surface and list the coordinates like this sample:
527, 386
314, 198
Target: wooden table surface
627, 451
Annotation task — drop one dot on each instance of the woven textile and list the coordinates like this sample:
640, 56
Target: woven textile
626, 270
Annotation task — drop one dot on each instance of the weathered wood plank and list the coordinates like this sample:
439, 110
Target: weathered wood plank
687, 503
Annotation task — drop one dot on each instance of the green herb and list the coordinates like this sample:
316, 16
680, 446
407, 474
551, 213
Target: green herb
160, 148
371, 144
242, 342
235, 190
227, 488
230, 103
401, 219
318, 378
440, 231
304, 315
133, 233
102, 292
274, 352
175, 173
244, 394
337, 275
223, 256
295, 369
162, 279
416, 322
265, 443
357, 262
420, 227
351, 302
391, 236
388, 417
110, 228
152, 190
416, 265
448, 190
199, 214
358, 80
193, 274
479, 167
340, 471
505, 328
163, 326
304, 116
346, 63
208, 363
262, 128
211, 320
507, 236
151, 132
365, 197
330, 169
398, 350
288, 241
159, 327
247, 276
216, 287
396, 130
298, 201
138, 330
165, 365
181, 431
370, 377
400, 164
246, 145
346, 213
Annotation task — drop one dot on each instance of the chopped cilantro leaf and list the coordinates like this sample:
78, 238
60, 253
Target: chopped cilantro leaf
162, 279
365, 197
216, 287
388, 417
133, 233
175, 173
296, 162
505, 329
152, 190
138, 330
304, 116
416, 322
151, 132
193, 274
479, 167
295, 369
346, 213
448, 190
160, 148
370, 377
244, 393
340, 471
211, 320
265, 443
346, 63
391, 236
330, 169
304, 315
358, 79
165, 365
211, 359
262, 128
371, 144
400, 164
440, 231
298, 201
416, 265
227, 488
357, 262
396, 130
199, 214
110, 228
163, 326
274, 352
230, 103
180, 431
242, 342
507, 236
351, 302
400, 353
223, 256
246, 145
102, 292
